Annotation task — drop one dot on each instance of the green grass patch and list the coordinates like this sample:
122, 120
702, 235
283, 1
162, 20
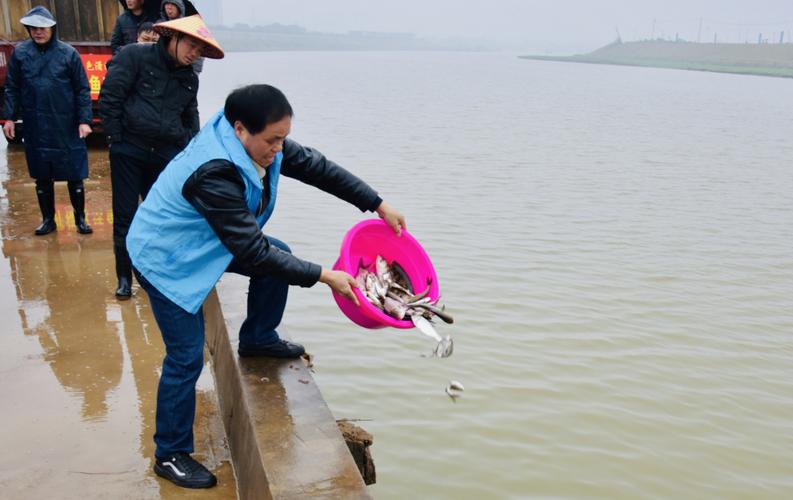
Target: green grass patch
675, 64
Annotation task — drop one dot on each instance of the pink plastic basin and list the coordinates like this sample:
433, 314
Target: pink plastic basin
368, 239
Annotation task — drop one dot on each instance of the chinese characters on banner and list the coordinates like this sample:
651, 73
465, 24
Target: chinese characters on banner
95, 69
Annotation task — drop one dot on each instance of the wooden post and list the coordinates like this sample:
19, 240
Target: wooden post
6, 20
78, 28
100, 20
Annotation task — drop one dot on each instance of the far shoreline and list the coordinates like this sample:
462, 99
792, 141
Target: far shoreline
774, 60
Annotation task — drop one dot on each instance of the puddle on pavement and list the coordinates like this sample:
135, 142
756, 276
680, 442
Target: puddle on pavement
78, 369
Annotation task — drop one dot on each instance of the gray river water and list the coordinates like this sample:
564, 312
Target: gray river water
614, 243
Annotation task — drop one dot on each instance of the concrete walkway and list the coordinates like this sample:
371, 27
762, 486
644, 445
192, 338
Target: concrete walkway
79, 373
78, 369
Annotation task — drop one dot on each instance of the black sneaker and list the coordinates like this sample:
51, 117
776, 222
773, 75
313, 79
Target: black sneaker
280, 349
182, 470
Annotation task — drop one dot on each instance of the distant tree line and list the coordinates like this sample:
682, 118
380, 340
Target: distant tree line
274, 28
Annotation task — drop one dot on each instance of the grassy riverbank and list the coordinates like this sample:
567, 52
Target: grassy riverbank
748, 59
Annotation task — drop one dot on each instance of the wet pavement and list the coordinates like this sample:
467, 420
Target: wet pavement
79, 369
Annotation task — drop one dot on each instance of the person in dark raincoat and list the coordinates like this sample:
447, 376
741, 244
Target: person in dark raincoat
47, 86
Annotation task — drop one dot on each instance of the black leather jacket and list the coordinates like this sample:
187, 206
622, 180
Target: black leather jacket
217, 191
147, 100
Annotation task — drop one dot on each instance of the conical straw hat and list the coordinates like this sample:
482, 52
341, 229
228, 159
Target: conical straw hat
195, 27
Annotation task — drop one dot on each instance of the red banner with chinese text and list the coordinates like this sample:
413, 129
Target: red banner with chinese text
95, 69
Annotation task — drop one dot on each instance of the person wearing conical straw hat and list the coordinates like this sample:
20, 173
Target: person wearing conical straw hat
149, 110
193, 27
174, 9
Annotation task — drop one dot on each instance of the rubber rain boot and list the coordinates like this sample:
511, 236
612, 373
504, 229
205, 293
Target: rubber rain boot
77, 196
45, 192
123, 272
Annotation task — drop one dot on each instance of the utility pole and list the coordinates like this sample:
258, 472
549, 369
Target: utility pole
699, 31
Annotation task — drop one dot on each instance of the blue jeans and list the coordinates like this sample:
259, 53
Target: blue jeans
183, 334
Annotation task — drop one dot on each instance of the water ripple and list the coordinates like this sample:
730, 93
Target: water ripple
614, 244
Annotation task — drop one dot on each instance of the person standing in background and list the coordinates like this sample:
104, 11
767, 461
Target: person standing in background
146, 33
171, 9
125, 31
46, 84
150, 112
174, 9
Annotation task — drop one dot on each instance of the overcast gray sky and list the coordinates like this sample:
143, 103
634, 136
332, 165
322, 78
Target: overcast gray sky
527, 23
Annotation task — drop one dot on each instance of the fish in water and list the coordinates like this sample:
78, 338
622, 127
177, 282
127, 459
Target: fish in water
454, 389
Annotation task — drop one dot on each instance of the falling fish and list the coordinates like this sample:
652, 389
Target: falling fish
454, 389
425, 327
445, 346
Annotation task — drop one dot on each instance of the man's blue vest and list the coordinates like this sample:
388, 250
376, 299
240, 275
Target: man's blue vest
169, 242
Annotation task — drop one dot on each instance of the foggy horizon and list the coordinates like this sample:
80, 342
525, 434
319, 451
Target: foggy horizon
571, 25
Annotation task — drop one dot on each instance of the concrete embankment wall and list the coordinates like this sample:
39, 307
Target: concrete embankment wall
283, 439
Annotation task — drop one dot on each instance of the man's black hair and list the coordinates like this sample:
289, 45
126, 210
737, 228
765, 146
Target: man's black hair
256, 106
145, 26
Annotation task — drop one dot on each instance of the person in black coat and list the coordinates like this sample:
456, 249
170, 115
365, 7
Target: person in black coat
125, 31
140, 11
149, 111
47, 86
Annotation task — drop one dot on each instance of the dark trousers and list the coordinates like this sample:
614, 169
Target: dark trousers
183, 334
133, 171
